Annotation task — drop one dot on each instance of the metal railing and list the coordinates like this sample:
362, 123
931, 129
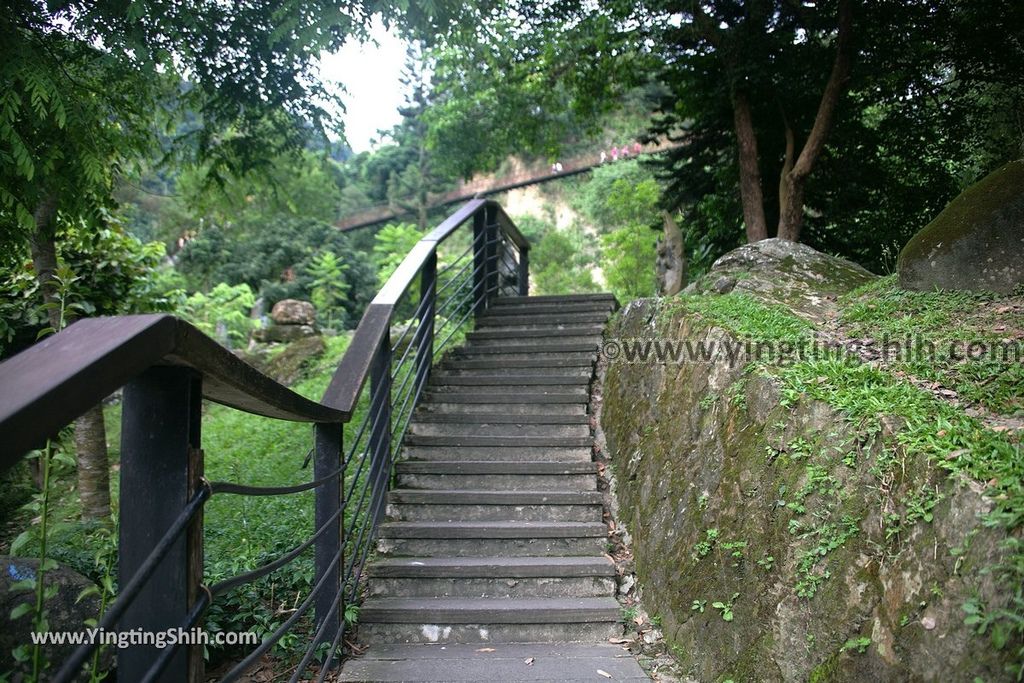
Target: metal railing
167, 369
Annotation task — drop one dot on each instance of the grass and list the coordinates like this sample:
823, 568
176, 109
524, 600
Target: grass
942, 324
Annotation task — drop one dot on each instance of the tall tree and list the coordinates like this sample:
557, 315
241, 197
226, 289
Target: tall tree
410, 189
85, 88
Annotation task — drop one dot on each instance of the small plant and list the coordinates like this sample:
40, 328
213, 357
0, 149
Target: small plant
702, 501
860, 645
630, 613
766, 563
698, 606
735, 549
351, 615
726, 607
706, 402
703, 548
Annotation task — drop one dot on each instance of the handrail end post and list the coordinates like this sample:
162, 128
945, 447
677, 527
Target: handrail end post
326, 460
161, 470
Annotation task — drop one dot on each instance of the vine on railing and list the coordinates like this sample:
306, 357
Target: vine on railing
167, 368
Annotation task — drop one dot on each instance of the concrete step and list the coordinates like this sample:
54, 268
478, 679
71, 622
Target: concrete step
553, 331
442, 405
532, 399
520, 341
546, 308
533, 319
531, 362
567, 375
581, 390
493, 577
500, 662
498, 441
556, 299
485, 420
519, 350
487, 567
488, 539
428, 428
481, 620
446, 505
520, 379
506, 476
493, 587
498, 453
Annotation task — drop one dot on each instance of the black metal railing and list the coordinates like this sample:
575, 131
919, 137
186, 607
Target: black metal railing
167, 369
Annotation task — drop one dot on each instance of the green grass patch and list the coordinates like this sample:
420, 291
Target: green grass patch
941, 327
744, 315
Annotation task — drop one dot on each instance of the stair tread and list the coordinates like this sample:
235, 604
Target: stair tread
489, 610
484, 419
485, 497
519, 567
552, 467
516, 529
483, 440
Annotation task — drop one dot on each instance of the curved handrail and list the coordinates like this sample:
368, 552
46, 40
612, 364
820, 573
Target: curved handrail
51, 383
347, 383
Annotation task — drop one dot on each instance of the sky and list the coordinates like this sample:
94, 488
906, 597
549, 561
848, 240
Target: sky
370, 74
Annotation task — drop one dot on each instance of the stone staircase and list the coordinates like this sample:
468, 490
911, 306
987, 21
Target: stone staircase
493, 559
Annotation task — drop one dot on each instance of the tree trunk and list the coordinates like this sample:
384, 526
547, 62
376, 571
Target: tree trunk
90, 434
93, 466
750, 172
670, 265
795, 172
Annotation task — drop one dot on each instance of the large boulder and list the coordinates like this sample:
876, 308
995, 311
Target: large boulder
780, 271
284, 334
293, 312
976, 243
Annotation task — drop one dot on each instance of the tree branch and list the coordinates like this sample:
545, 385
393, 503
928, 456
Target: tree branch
834, 89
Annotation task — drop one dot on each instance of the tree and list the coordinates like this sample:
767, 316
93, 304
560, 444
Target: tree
410, 189
106, 272
837, 122
85, 88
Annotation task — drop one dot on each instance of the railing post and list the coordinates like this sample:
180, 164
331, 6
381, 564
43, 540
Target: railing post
493, 254
425, 331
524, 271
328, 445
379, 443
161, 469
480, 235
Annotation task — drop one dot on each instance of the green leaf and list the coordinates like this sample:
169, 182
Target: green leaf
19, 542
21, 610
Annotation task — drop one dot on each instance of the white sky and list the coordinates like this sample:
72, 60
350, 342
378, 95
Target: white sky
370, 73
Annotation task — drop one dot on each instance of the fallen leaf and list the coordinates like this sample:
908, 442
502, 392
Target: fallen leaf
620, 641
528, 661
639, 620
486, 649
604, 673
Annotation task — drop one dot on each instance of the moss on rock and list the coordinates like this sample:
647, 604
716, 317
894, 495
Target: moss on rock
802, 499
976, 243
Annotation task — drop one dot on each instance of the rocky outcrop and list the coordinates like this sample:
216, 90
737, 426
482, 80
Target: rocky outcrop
291, 319
762, 521
796, 275
976, 243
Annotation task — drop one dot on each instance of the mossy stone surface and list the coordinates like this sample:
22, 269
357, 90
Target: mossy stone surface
976, 243
705, 446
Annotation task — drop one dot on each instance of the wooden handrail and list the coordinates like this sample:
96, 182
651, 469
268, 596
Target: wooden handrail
53, 382
347, 383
